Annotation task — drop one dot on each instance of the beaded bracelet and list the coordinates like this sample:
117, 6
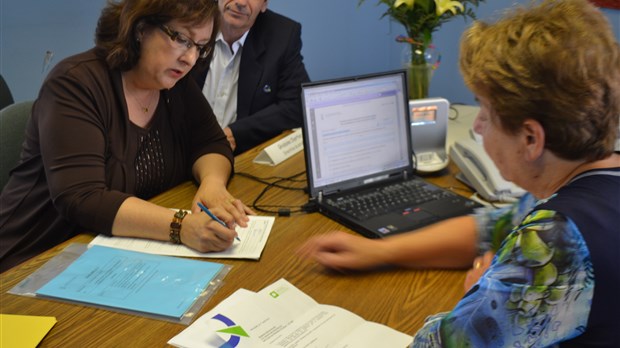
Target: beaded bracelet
175, 226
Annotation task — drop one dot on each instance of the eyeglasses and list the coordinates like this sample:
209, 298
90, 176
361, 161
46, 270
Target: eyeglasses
185, 43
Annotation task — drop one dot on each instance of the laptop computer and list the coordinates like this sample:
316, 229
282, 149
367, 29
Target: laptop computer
357, 146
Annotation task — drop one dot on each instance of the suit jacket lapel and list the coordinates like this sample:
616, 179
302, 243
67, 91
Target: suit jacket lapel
250, 70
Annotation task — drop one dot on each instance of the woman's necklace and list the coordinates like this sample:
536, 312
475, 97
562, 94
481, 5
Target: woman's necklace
144, 107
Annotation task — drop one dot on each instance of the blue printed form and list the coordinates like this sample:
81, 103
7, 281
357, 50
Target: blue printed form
156, 284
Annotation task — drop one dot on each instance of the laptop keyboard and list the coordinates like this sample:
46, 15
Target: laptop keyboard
370, 203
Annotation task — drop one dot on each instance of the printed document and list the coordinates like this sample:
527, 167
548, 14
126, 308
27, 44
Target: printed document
283, 316
252, 242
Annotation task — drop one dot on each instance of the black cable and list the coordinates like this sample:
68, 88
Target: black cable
282, 210
261, 194
456, 112
279, 178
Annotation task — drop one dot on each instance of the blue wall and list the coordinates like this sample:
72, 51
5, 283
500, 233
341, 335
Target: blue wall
340, 39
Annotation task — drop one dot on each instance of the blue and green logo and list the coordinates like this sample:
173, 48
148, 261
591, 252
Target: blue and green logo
235, 331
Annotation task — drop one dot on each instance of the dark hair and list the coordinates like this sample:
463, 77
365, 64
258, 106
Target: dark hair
557, 63
120, 21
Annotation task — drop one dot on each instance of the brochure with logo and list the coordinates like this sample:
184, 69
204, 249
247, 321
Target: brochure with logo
281, 315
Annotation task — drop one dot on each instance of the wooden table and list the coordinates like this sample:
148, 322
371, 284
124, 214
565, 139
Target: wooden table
398, 298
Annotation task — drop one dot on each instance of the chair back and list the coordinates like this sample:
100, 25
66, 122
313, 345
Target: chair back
6, 98
13, 119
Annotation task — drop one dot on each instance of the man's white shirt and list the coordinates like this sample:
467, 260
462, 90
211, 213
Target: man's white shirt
222, 80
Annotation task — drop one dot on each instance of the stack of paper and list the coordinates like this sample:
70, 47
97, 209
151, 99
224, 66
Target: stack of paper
283, 316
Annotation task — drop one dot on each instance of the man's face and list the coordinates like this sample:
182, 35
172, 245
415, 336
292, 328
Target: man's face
240, 15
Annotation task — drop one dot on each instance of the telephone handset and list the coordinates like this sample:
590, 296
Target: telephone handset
479, 172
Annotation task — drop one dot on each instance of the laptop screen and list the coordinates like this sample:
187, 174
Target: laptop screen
356, 130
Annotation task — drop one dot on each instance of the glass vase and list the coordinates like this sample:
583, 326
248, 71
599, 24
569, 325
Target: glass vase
417, 61
419, 80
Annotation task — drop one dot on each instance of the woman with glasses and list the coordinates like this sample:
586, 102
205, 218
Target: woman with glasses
117, 125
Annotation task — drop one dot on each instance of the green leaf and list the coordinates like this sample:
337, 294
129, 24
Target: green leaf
426, 4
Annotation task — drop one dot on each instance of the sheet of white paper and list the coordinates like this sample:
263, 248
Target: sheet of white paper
373, 332
325, 325
253, 239
283, 316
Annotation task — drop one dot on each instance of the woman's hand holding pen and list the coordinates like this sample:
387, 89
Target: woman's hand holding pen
213, 229
212, 216
202, 233
228, 209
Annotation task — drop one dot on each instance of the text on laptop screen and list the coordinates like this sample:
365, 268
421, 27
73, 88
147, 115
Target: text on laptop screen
356, 127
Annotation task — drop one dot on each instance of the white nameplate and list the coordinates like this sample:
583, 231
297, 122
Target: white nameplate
284, 148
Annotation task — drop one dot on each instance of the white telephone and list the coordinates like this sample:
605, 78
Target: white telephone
480, 173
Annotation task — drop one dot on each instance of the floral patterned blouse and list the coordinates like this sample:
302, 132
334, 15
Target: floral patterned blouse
539, 289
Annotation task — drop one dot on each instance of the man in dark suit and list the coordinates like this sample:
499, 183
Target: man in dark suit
252, 80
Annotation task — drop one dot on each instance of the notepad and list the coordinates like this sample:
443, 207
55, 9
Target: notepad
136, 282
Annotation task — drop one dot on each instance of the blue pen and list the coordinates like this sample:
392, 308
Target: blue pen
212, 216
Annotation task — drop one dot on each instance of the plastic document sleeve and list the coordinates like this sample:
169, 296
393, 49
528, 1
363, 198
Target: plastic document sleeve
155, 286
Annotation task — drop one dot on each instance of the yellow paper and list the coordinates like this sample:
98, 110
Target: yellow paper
23, 331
